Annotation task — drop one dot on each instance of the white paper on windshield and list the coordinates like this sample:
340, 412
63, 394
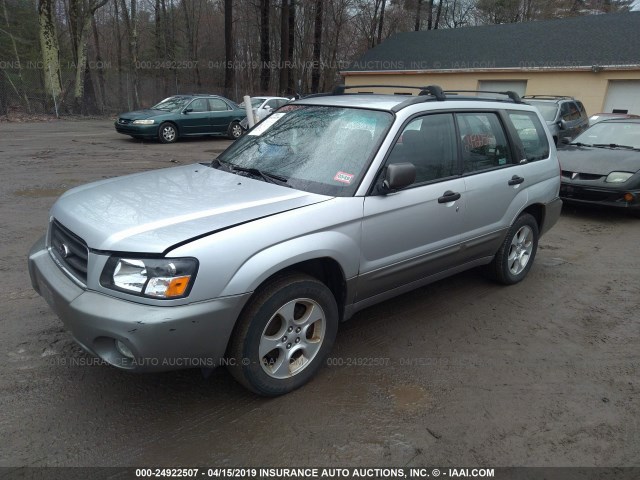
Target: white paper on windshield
266, 123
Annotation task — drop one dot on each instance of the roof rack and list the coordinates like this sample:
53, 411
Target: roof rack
547, 97
515, 98
425, 94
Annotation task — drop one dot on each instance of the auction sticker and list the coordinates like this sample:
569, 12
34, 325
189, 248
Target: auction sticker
344, 177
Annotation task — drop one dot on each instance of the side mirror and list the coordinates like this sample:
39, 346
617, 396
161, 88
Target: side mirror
562, 124
398, 176
187, 110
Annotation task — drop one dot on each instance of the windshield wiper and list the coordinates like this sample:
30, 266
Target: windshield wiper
267, 177
580, 144
614, 145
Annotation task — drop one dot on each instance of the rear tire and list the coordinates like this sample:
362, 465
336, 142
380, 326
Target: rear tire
284, 335
167, 133
515, 256
235, 131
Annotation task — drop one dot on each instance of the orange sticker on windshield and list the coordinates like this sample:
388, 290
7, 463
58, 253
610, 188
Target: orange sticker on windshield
343, 177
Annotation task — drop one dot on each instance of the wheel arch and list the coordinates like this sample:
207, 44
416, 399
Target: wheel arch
172, 122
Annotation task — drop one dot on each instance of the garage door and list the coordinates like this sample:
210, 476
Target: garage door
518, 86
623, 95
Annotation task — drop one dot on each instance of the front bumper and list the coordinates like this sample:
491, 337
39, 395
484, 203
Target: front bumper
147, 131
160, 338
588, 195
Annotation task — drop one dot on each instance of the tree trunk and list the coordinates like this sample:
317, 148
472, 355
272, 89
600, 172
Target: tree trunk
292, 38
50, 49
317, 45
381, 22
430, 15
438, 13
265, 53
23, 93
120, 101
100, 66
131, 25
283, 80
418, 12
229, 72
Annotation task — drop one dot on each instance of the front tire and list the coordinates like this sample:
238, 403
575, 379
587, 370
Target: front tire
284, 335
516, 254
235, 131
168, 133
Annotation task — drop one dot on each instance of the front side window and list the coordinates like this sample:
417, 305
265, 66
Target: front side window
429, 143
199, 105
318, 149
484, 143
531, 134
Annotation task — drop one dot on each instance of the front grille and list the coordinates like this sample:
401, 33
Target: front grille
70, 250
570, 191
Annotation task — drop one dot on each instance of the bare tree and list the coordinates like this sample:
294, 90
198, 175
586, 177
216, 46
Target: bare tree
265, 47
229, 72
317, 45
50, 48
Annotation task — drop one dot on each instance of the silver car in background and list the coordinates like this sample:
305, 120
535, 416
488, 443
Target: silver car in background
331, 205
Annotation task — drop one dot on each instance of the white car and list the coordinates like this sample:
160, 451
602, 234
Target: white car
263, 107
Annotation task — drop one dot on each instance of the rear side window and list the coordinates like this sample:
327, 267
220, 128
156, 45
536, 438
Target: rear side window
531, 134
217, 105
484, 143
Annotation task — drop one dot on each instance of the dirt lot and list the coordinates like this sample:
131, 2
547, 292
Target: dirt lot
546, 372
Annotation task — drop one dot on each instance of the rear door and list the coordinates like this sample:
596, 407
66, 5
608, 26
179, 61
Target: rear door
414, 233
494, 179
221, 115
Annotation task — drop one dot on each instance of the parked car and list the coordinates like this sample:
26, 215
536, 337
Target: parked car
566, 117
263, 107
602, 166
318, 212
184, 116
598, 117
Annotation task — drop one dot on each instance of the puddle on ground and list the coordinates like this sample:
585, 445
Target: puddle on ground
410, 397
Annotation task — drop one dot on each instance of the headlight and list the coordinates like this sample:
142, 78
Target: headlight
150, 277
618, 177
143, 122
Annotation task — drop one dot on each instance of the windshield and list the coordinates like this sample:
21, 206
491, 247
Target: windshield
171, 104
547, 110
611, 133
323, 150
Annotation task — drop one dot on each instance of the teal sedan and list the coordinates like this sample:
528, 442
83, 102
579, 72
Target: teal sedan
184, 116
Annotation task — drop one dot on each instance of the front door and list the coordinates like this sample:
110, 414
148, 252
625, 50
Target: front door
195, 118
415, 233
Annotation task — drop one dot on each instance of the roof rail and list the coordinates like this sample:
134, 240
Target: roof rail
433, 90
515, 98
547, 97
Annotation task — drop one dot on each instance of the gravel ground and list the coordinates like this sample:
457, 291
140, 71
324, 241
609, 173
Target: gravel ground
463, 372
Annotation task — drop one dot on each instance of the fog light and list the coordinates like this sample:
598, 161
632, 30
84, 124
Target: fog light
629, 197
124, 350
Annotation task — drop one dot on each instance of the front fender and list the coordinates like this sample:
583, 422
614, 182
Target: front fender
341, 246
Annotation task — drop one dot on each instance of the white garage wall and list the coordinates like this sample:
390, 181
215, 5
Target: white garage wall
623, 95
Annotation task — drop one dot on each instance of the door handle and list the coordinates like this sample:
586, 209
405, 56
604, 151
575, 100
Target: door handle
449, 196
516, 180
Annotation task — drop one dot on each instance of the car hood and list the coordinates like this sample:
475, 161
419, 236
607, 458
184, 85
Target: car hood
143, 114
153, 211
598, 161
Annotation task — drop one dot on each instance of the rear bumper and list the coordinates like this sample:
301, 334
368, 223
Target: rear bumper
160, 338
551, 215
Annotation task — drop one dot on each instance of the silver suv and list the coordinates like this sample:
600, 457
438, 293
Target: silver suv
330, 205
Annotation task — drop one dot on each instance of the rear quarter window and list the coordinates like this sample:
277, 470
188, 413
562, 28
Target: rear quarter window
531, 133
